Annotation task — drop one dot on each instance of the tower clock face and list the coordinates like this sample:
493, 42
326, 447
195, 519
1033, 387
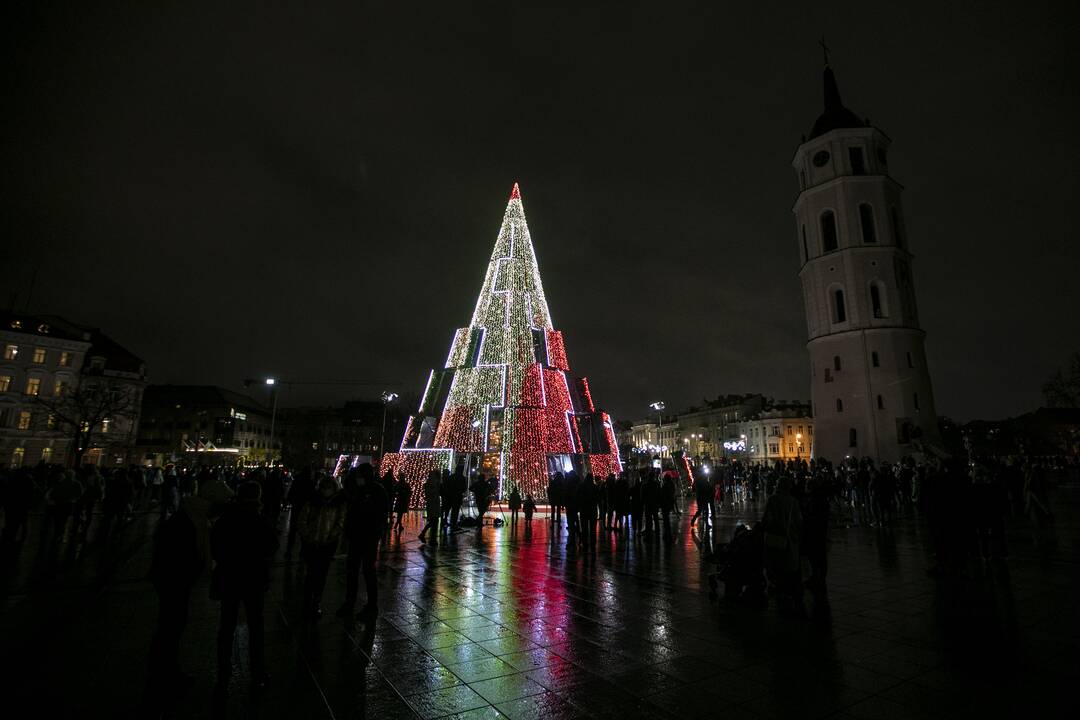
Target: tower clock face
821, 157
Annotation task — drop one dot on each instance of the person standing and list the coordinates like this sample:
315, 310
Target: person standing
175, 568
650, 500
514, 503
243, 544
481, 491
530, 508
321, 522
667, 504
571, 484
783, 529
301, 491
432, 505
62, 500
365, 524
588, 502
554, 493
402, 497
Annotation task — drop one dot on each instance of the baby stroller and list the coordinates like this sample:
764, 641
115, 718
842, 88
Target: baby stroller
741, 567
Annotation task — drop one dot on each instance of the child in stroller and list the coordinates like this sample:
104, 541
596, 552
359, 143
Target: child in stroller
741, 567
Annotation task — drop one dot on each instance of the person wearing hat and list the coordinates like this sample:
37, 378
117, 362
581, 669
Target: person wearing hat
242, 543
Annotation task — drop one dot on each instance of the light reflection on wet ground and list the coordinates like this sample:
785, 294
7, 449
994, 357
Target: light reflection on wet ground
511, 622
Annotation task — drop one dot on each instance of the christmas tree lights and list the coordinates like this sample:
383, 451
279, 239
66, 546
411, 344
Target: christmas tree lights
505, 403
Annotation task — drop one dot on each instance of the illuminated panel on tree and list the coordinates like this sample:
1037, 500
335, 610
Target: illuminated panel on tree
556, 350
527, 468
477, 386
532, 390
586, 394
461, 428
459, 348
558, 405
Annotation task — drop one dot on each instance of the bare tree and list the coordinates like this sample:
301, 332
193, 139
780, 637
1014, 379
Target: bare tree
1063, 388
86, 413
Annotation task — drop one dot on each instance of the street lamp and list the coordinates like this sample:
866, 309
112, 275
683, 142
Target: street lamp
387, 398
659, 407
272, 383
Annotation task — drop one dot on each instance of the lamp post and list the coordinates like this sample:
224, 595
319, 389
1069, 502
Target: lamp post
659, 406
272, 384
387, 398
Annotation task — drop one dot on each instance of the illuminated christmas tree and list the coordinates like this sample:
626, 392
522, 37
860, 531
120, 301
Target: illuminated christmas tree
505, 404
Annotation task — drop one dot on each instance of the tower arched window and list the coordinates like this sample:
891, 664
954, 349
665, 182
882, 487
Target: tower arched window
805, 246
839, 306
866, 220
852, 437
839, 405
829, 240
880, 403
875, 359
877, 303
836, 362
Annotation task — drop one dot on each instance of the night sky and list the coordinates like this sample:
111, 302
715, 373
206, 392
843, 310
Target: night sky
314, 192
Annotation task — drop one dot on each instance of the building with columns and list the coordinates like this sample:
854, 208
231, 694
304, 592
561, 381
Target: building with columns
870, 384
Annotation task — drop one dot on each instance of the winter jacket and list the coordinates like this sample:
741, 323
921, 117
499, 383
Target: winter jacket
322, 520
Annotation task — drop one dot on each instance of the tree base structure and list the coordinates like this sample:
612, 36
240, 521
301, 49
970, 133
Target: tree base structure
505, 403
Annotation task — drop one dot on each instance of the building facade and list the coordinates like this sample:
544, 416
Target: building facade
38, 362
68, 393
317, 436
783, 432
870, 385
203, 425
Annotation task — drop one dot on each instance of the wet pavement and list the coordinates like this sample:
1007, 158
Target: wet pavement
512, 623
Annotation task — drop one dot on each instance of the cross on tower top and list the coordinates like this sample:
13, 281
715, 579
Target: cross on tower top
824, 49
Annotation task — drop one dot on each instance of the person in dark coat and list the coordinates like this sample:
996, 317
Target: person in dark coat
114, 506
273, 492
667, 504
554, 492
530, 508
175, 568
650, 501
588, 504
19, 492
243, 544
514, 503
622, 501
300, 494
321, 524
481, 491
365, 524
571, 483
402, 497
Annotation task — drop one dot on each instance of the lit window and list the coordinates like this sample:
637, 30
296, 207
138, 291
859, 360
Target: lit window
17, 457
39, 356
65, 359
5, 383
59, 388
11, 352
791, 447
46, 455
33, 386
105, 425
50, 422
314, 446
24, 420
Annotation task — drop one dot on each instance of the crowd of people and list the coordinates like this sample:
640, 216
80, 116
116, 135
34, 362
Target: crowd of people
224, 522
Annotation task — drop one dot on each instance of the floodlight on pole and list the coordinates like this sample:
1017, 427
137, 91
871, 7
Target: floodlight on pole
387, 398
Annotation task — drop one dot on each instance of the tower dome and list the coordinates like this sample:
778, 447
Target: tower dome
836, 116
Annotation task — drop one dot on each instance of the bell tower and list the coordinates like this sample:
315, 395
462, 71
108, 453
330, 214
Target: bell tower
870, 386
